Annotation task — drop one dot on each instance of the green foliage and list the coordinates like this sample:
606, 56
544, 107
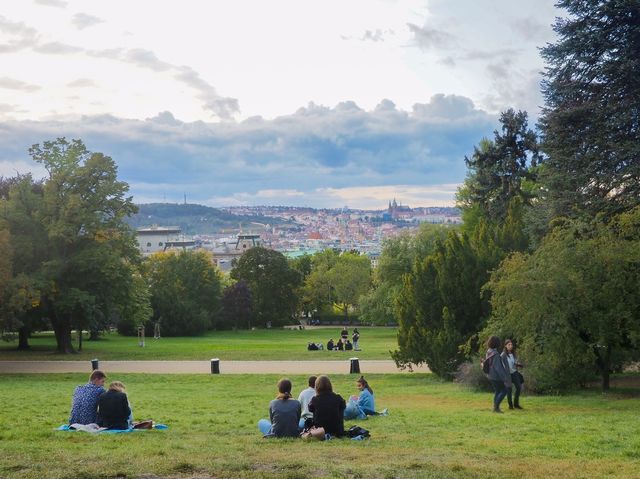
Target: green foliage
72, 248
590, 122
237, 307
137, 308
272, 282
574, 303
185, 291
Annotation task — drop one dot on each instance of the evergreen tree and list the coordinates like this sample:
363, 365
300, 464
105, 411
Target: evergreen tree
591, 119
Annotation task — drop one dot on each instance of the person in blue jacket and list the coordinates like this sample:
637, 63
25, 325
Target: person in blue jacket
366, 402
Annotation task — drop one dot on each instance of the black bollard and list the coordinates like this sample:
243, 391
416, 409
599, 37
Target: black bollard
95, 364
215, 366
355, 366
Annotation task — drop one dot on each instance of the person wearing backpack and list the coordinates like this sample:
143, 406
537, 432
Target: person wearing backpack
498, 372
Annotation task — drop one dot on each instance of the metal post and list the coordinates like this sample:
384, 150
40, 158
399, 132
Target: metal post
95, 364
355, 366
215, 366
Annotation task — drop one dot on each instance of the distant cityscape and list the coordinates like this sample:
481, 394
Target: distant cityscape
296, 231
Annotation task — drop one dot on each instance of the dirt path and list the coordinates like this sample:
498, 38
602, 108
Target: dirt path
204, 367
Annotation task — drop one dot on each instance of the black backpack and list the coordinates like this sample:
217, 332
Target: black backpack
486, 363
355, 431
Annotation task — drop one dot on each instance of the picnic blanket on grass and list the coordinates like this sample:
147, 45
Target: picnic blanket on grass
94, 428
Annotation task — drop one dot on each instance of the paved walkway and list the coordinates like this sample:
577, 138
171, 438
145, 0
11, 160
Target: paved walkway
204, 367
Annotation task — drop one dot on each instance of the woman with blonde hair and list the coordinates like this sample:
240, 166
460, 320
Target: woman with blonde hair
113, 407
284, 414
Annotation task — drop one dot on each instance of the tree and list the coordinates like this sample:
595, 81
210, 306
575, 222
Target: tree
574, 303
317, 289
591, 118
185, 291
237, 306
497, 170
350, 278
272, 282
77, 249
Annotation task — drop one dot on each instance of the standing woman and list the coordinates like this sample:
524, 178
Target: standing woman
355, 338
284, 414
498, 373
327, 408
511, 360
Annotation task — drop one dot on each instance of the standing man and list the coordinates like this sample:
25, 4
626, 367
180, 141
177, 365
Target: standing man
355, 338
84, 407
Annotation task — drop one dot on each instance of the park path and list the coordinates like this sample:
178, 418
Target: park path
204, 367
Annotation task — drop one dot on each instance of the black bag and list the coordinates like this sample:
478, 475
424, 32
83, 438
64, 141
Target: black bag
355, 431
486, 363
521, 377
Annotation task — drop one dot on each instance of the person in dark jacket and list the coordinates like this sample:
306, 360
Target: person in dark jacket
284, 414
498, 372
328, 409
113, 407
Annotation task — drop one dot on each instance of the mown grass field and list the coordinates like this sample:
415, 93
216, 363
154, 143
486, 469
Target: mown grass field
435, 430
272, 344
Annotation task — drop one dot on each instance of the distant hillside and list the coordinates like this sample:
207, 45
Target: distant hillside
194, 219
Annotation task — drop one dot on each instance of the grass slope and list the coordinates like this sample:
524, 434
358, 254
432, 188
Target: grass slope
274, 344
435, 430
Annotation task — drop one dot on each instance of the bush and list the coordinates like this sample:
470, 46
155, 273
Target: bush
470, 375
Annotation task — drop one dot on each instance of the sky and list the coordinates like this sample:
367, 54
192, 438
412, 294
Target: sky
287, 102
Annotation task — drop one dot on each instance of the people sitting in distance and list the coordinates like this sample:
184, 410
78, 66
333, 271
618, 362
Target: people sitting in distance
284, 414
344, 334
327, 408
348, 346
84, 405
330, 345
340, 345
113, 408
304, 398
312, 347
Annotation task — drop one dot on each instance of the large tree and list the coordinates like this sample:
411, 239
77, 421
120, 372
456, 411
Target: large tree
70, 241
591, 119
273, 284
186, 289
574, 303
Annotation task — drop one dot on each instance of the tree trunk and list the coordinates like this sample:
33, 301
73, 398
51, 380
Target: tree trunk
23, 338
62, 331
79, 339
94, 335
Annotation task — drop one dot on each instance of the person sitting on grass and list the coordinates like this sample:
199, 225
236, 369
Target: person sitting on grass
366, 402
304, 398
330, 345
327, 408
340, 345
84, 405
113, 408
284, 414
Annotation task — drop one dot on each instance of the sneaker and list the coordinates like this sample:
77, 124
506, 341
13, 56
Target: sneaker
510, 407
385, 412
497, 410
518, 406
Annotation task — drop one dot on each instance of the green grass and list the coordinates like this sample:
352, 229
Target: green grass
274, 344
435, 430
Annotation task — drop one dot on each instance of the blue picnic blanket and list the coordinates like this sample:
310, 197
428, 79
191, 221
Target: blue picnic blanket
66, 427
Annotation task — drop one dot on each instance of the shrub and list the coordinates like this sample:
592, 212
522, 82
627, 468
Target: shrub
470, 375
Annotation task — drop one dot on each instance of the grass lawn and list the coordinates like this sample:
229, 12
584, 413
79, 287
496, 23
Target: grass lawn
435, 430
272, 344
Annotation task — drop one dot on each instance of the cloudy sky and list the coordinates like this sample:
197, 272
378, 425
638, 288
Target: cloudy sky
287, 102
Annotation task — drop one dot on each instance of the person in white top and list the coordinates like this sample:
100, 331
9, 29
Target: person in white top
510, 359
304, 398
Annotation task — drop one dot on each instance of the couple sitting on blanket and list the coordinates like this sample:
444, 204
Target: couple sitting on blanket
109, 409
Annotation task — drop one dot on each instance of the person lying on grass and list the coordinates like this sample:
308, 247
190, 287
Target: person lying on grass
284, 414
84, 405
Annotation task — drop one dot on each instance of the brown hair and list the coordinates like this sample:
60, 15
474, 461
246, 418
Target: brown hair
312, 381
284, 389
117, 386
365, 384
513, 350
323, 385
97, 374
493, 342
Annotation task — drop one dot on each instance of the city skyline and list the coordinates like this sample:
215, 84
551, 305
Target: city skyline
247, 103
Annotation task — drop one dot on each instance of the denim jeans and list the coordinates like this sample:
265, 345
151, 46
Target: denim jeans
515, 379
500, 392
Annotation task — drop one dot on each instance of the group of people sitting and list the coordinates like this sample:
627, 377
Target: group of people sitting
343, 344
93, 405
318, 412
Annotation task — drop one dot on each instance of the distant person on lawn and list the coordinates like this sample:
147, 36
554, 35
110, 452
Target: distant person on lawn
113, 408
355, 337
330, 345
84, 406
344, 334
498, 373
284, 414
